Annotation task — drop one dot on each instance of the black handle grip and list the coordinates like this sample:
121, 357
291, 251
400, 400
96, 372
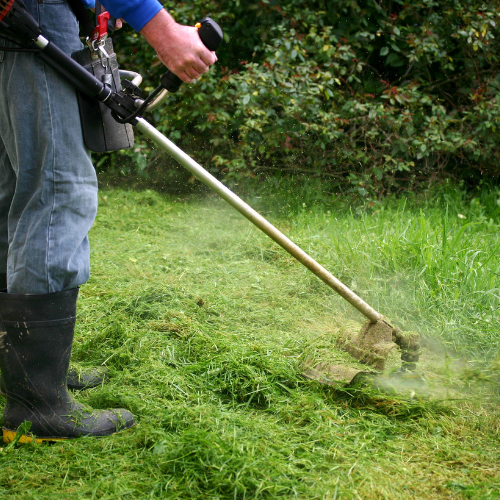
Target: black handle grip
211, 35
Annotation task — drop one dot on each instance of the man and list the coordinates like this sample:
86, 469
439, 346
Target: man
48, 202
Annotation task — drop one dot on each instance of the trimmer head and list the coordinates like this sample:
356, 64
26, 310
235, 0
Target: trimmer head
371, 345
370, 349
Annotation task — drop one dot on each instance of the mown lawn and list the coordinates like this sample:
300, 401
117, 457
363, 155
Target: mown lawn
203, 322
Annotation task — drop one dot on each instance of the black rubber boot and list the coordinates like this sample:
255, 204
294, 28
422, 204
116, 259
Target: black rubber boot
77, 380
35, 348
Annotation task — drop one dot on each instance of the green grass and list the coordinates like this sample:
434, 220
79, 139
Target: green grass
202, 322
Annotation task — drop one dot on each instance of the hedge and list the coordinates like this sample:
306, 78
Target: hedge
380, 96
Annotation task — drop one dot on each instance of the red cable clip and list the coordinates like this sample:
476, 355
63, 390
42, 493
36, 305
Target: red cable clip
101, 30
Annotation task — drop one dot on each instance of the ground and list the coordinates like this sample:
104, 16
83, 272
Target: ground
204, 323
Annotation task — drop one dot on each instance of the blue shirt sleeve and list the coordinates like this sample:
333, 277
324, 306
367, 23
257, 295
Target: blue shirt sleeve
136, 12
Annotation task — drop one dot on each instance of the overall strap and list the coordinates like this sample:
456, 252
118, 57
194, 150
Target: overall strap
83, 16
99, 9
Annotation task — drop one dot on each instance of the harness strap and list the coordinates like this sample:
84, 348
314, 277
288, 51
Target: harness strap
83, 16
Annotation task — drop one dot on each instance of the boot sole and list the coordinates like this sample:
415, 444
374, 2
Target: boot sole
9, 436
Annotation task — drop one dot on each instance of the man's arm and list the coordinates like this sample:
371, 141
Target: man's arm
178, 47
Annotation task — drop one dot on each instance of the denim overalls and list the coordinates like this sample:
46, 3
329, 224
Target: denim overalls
48, 186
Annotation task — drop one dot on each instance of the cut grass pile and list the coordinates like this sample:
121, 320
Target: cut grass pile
202, 322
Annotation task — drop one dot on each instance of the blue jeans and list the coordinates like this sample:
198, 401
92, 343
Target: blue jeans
48, 186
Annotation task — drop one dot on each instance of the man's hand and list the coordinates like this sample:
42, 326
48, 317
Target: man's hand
178, 47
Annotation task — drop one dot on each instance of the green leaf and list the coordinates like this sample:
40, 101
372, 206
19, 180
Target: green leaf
394, 60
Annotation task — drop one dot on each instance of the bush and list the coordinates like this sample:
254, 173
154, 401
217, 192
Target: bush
382, 95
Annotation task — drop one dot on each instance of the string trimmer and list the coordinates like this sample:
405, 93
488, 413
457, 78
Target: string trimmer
121, 98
